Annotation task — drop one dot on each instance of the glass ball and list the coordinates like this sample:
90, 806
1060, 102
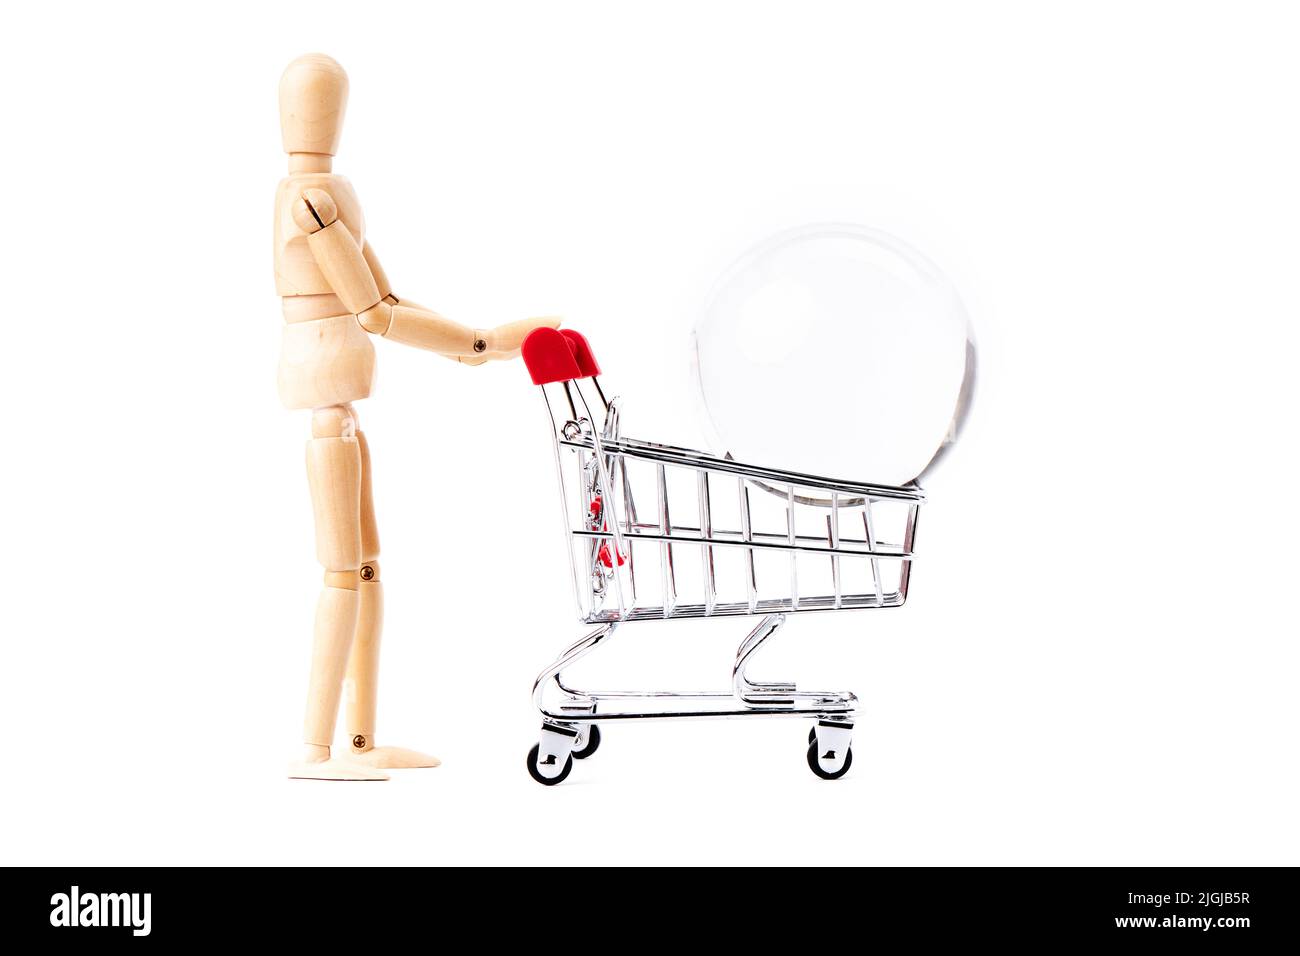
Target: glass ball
837, 351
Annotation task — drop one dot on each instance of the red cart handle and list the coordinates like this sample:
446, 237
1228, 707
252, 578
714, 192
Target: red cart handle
558, 356
581, 353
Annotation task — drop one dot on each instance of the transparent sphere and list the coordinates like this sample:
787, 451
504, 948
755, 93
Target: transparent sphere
835, 350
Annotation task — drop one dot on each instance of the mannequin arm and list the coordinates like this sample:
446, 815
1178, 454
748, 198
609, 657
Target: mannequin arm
351, 276
502, 342
386, 294
385, 288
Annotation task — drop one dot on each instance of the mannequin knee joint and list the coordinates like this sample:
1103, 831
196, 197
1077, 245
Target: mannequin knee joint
347, 580
351, 580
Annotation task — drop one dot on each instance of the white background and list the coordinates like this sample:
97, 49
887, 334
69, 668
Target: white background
1098, 662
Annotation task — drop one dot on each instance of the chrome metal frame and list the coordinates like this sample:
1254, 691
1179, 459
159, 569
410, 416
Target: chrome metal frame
748, 698
607, 538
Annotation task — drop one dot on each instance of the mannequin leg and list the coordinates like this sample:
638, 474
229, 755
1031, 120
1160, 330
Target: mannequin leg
334, 472
362, 682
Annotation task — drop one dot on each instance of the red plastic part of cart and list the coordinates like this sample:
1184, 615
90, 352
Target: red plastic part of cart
549, 357
582, 353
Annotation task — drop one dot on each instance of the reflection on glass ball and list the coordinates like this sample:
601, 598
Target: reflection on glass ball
835, 350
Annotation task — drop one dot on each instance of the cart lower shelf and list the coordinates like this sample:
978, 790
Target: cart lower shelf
570, 725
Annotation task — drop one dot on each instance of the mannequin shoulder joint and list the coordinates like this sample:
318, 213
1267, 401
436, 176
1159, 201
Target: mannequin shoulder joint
314, 209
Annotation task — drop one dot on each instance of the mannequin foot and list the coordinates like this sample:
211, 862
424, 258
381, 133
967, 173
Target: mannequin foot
317, 764
392, 758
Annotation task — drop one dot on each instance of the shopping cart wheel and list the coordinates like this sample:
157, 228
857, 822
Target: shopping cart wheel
592, 736
536, 773
816, 763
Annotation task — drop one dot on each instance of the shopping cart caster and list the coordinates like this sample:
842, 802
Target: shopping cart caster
829, 752
551, 759
538, 771
588, 741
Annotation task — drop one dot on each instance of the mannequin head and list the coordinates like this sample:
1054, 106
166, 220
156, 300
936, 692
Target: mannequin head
313, 99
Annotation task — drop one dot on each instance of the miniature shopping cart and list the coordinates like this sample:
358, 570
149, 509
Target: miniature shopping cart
661, 533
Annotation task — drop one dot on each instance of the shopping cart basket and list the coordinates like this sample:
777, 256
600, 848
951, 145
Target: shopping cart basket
656, 532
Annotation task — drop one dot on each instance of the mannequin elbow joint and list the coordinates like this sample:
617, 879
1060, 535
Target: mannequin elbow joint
377, 319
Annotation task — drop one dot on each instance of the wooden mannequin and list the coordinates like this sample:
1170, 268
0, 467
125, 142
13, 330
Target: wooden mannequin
335, 296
